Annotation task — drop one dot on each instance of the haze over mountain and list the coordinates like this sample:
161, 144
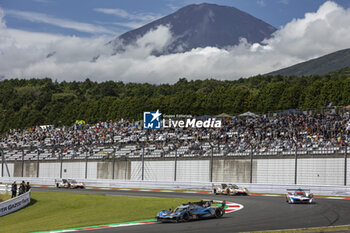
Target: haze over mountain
322, 65
202, 25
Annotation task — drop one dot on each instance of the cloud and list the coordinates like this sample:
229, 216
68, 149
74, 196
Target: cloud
286, 2
2, 21
63, 23
129, 24
316, 34
126, 15
261, 3
42, 1
24, 54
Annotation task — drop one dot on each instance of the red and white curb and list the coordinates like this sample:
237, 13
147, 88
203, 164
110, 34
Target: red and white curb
194, 192
232, 207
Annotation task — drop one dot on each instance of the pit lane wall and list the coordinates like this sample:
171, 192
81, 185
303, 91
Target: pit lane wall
310, 171
14, 204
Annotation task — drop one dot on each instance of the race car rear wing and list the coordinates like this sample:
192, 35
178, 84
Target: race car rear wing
305, 190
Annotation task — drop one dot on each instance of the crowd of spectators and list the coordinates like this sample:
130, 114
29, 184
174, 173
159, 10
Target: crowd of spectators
279, 132
23, 188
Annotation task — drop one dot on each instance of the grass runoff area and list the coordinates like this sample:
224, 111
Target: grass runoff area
51, 211
4, 197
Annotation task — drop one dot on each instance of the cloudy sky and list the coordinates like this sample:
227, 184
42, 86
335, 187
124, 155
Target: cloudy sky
59, 38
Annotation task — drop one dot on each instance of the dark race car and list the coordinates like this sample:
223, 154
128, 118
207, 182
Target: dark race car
192, 211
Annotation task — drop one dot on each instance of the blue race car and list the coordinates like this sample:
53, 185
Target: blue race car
192, 211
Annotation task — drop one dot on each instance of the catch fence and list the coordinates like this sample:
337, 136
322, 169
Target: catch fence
325, 166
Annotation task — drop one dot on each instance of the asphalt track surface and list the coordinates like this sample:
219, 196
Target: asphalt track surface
260, 213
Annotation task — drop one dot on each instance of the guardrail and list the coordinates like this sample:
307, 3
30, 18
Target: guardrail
205, 186
4, 188
14, 204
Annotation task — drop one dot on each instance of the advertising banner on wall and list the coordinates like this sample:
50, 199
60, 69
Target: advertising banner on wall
14, 204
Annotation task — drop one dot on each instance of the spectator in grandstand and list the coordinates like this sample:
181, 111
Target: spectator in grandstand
14, 189
279, 132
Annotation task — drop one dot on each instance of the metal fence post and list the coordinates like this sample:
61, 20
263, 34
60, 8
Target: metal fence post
126, 168
113, 163
211, 163
61, 162
2, 163
37, 164
143, 163
22, 162
345, 164
86, 163
175, 163
296, 166
251, 164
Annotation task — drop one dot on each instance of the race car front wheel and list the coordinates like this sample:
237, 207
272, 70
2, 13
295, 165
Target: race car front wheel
185, 217
218, 213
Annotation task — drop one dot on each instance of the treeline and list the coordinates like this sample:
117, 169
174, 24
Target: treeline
26, 103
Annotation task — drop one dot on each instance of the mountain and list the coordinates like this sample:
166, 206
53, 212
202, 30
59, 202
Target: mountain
322, 65
203, 25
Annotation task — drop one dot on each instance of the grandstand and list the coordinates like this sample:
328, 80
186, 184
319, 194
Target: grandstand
301, 133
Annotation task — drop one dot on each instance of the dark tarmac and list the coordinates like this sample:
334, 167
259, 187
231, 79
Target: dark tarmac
260, 213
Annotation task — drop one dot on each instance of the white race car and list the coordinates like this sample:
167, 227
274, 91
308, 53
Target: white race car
69, 183
230, 189
233, 189
299, 196
219, 189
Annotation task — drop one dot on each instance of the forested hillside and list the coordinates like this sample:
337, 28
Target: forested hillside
26, 103
318, 66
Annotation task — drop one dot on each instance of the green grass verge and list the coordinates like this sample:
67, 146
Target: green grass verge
4, 197
50, 211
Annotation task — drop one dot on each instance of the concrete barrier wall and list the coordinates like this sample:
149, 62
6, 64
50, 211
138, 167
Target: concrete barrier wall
188, 170
348, 172
104, 170
274, 171
29, 169
310, 171
49, 169
321, 171
193, 170
92, 170
11, 169
233, 170
74, 169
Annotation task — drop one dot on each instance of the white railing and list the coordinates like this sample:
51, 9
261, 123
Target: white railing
204, 186
4, 188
